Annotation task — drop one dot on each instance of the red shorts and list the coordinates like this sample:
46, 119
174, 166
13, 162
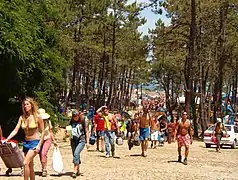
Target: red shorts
183, 140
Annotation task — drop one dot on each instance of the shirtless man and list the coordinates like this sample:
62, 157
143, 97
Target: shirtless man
144, 122
183, 133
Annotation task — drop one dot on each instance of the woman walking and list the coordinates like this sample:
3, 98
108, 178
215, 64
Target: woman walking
48, 138
78, 139
218, 132
31, 122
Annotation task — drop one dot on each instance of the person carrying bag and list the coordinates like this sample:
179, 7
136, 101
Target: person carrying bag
79, 138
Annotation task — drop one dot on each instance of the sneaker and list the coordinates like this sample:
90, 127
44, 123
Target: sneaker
185, 162
179, 158
107, 156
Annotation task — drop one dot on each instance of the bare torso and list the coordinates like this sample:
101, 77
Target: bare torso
183, 127
144, 120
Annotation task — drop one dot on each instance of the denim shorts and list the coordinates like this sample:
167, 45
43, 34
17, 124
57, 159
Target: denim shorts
100, 134
30, 145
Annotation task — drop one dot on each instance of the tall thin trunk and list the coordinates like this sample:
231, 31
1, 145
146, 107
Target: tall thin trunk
220, 54
191, 57
235, 86
113, 52
101, 72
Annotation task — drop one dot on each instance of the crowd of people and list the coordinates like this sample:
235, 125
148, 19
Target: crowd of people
149, 122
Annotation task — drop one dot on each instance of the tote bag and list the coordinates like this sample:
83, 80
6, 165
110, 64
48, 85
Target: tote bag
57, 161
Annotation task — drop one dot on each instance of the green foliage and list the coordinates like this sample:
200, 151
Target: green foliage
31, 46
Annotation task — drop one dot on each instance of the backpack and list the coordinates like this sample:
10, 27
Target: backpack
78, 130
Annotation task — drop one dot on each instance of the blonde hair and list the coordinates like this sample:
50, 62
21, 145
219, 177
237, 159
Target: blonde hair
34, 110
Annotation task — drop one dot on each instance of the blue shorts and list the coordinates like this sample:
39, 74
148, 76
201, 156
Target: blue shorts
30, 145
144, 134
100, 134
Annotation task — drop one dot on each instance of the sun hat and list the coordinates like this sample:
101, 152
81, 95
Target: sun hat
43, 114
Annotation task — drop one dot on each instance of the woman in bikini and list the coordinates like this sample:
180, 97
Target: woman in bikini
31, 122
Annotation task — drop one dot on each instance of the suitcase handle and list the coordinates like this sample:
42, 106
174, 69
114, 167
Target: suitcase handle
7, 146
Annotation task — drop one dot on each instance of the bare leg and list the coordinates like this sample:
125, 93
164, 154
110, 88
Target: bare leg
155, 144
28, 165
179, 153
76, 168
98, 139
142, 147
186, 152
32, 173
145, 145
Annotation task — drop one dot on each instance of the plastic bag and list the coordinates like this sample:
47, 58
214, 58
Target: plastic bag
57, 161
119, 141
136, 141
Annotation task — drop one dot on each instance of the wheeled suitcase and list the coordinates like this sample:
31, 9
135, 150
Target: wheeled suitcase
11, 156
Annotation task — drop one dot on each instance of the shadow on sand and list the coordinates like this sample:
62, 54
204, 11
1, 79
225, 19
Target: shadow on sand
103, 156
173, 161
136, 155
91, 150
69, 174
9, 176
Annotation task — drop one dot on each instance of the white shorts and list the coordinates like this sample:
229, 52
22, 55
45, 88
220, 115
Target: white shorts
154, 136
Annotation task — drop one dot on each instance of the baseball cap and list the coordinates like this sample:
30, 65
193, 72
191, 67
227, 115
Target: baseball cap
75, 112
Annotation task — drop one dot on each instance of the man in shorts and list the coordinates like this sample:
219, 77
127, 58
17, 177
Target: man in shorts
144, 122
99, 127
154, 131
183, 133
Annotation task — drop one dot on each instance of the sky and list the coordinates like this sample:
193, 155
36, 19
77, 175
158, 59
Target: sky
151, 17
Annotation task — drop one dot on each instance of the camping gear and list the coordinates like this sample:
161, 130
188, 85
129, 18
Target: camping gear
11, 156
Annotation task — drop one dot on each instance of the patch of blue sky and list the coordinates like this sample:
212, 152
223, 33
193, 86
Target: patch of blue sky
151, 17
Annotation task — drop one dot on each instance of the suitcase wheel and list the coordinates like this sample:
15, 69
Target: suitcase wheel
9, 171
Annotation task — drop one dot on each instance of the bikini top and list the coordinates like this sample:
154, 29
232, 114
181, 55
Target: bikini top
32, 124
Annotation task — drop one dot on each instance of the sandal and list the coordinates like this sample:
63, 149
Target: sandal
44, 173
74, 175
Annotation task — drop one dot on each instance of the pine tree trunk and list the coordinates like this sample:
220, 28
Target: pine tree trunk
190, 58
